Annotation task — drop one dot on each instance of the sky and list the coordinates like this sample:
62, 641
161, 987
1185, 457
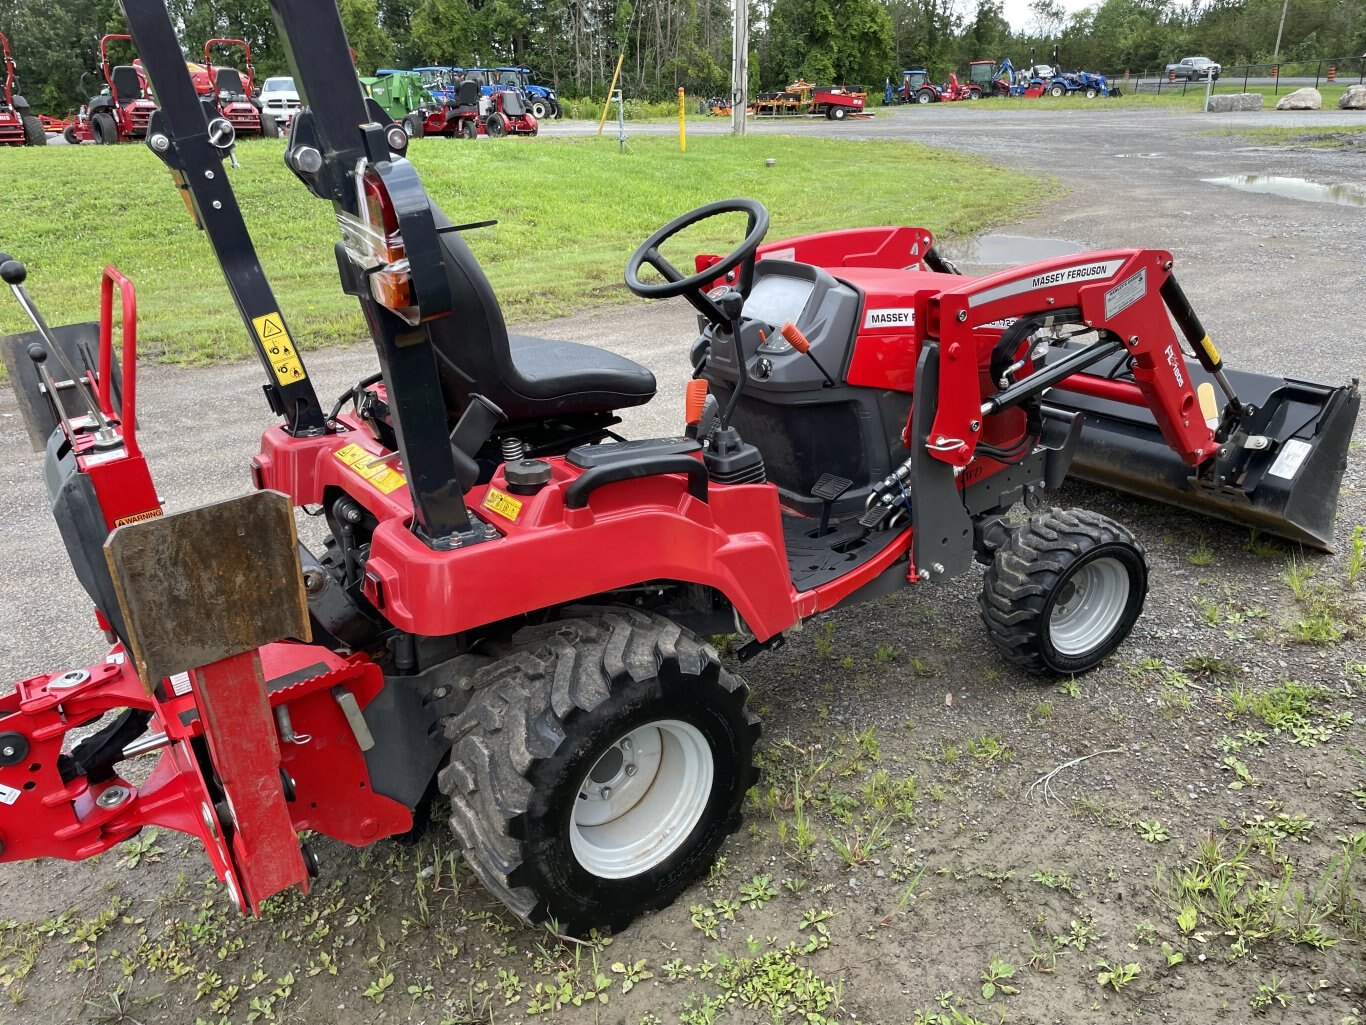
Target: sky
1018, 14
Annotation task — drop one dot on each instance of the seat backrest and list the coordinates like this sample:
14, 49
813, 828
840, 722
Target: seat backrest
127, 83
512, 103
472, 349
229, 80
468, 93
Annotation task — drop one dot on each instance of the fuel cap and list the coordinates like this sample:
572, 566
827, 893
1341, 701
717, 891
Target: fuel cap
527, 476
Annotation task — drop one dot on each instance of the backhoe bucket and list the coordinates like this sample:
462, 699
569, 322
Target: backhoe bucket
1279, 468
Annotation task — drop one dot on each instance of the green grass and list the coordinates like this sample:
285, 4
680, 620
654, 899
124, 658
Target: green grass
569, 212
1283, 135
1169, 98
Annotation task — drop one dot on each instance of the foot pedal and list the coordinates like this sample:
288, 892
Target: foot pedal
827, 489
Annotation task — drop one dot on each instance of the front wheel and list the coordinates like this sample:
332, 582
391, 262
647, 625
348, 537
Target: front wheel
540, 109
1092, 92
33, 131
69, 134
599, 767
495, 127
469, 129
924, 96
1057, 90
270, 128
1064, 591
103, 129
415, 125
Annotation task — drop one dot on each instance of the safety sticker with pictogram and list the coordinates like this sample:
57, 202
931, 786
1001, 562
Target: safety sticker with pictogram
381, 475
279, 348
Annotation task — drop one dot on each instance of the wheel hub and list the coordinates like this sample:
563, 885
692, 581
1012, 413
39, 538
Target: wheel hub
641, 799
1089, 605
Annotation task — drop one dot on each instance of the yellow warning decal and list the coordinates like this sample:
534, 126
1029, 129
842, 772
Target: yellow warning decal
279, 348
383, 476
1210, 350
150, 514
502, 503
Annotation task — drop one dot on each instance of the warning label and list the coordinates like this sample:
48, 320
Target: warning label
279, 348
150, 514
502, 503
383, 476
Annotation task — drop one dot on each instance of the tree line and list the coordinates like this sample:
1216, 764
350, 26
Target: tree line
574, 45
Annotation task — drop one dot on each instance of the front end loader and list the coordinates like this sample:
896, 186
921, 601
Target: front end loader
509, 602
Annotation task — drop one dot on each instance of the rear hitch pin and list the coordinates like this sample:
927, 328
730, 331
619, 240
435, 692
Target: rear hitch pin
286, 727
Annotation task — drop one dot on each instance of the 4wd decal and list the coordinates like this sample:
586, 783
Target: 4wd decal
1098, 271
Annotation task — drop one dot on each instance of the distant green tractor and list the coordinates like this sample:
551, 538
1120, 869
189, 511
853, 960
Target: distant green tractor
401, 93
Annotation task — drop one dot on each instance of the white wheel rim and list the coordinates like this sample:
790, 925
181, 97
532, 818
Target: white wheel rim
641, 800
1089, 607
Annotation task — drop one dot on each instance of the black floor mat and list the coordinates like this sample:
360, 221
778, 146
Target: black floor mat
813, 561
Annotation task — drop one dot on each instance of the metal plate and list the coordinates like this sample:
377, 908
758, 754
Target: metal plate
208, 583
81, 344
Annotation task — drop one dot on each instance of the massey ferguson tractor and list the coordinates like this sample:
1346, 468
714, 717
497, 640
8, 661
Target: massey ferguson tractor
121, 112
18, 127
510, 602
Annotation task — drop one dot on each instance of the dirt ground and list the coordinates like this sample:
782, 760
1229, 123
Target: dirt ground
1179, 836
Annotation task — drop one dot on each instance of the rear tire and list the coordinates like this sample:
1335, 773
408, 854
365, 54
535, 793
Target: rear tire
494, 126
270, 128
415, 125
924, 96
1057, 90
103, 129
33, 131
839, 113
1064, 591
975, 94
469, 130
599, 767
540, 109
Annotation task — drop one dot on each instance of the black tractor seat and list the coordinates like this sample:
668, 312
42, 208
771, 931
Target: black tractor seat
529, 379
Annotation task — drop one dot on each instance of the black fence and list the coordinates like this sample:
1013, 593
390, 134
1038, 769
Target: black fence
1286, 76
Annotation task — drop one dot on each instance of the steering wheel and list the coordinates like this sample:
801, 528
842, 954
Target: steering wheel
675, 282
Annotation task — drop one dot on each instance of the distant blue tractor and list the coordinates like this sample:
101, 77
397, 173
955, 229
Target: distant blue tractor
438, 80
539, 99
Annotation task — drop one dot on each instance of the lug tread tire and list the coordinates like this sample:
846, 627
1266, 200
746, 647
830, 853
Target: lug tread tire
1025, 572
33, 131
526, 705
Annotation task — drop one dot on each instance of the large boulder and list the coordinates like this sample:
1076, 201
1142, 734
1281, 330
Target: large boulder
1302, 99
1234, 103
1353, 98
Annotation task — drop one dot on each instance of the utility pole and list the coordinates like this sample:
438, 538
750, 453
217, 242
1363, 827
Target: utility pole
739, 69
1275, 56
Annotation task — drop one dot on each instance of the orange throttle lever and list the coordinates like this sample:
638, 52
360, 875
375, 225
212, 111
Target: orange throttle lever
802, 344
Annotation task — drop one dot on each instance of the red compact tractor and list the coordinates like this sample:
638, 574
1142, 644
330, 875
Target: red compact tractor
472, 114
122, 111
233, 96
18, 127
510, 601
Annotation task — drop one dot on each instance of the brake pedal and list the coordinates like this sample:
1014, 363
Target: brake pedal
828, 488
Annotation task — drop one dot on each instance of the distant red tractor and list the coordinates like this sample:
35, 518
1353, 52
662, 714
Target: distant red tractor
472, 114
233, 95
121, 112
17, 126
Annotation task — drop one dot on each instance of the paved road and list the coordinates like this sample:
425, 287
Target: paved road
1278, 281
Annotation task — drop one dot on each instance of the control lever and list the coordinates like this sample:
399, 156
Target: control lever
731, 303
802, 344
14, 274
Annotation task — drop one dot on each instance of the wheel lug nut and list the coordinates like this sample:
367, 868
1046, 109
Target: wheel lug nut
606, 793
630, 769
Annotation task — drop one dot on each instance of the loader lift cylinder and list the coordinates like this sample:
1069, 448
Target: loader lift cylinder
1186, 319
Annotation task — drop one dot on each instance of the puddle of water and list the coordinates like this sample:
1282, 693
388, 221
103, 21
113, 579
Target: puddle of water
1294, 188
1007, 250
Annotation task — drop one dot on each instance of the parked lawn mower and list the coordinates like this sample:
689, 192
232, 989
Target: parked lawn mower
122, 111
510, 600
18, 127
233, 96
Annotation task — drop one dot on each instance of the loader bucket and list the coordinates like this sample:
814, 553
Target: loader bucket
1288, 488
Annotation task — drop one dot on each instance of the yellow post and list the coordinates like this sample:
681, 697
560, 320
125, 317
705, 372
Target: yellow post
610, 90
682, 128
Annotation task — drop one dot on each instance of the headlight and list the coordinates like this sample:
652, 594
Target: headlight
551, 94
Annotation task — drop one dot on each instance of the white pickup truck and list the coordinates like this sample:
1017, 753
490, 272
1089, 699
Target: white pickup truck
1193, 68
